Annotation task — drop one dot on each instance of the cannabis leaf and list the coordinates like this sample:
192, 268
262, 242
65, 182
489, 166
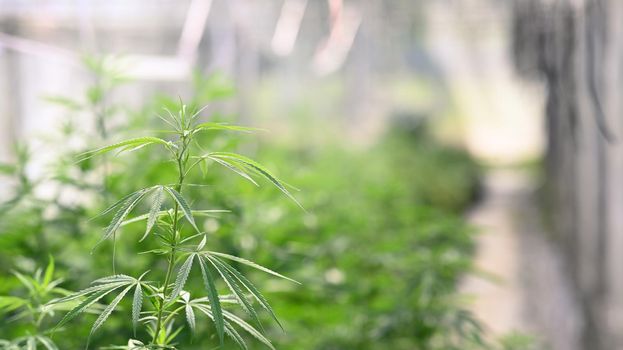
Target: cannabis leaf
222, 126
127, 145
182, 276
154, 211
137, 304
230, 318
183, 205
213, 297
124, 209
234, 287
101, 288
250, 264
109, 309
243, 165
251, 289
190, 313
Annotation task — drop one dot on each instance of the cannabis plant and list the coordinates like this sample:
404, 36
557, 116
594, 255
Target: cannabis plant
159, 299
29, 310
38, 217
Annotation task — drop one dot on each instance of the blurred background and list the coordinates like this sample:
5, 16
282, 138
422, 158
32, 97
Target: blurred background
458, 160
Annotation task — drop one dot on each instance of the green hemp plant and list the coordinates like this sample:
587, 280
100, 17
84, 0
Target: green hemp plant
31, 311
183, 245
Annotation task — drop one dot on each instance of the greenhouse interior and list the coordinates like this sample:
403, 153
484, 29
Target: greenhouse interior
311, 174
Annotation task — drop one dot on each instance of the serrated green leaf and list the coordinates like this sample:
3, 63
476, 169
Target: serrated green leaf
190, 318
135, 142
139, 218
154, 211
170, 123
207, 213
233, 333
203, 242
203, 166
253, 290
183, 205
251, 264
156, 251
87, 291
234, 168
213, 298
223, 127
115, 278
130, 149
121, 214
189, 238
256, 168
229, 329
182, 276
108, 310
84, 305
119, 202
137, 304
249, 329
233, 286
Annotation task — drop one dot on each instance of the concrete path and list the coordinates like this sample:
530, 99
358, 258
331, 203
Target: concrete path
526, 289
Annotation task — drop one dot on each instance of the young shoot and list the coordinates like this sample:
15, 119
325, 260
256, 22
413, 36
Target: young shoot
31, 311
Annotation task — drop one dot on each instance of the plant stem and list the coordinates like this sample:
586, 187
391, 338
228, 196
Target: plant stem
99, 110
171, 259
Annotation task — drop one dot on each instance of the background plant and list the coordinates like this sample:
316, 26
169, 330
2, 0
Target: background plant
39, 211
32, 309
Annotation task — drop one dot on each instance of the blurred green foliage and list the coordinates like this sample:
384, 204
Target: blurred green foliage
379, 249
379, 252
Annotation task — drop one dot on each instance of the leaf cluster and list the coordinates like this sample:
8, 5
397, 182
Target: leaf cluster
32, 308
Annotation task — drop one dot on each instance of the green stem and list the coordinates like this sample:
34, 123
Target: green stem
171, 258
173, 313
99, 109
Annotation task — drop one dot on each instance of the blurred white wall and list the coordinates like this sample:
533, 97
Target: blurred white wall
355, 62
502, 112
